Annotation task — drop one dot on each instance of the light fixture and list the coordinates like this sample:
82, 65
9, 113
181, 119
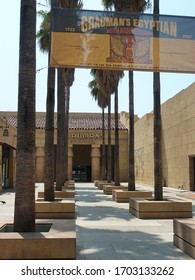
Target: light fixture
5, 129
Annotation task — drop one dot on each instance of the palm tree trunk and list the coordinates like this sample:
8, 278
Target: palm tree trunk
116, 150
49, 137
67, 105
158, 190
60, 133
103, 148
109, 141
131, 183
24, 215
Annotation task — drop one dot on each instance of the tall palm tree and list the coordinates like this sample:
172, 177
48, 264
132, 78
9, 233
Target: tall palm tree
108, 81
158, 189
102, 100
43, 36
68, 78
24, 215
67, 75
130, 6
60, 153
103, 81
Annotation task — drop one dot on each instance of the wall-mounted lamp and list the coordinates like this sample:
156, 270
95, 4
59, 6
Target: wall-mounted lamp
5, 129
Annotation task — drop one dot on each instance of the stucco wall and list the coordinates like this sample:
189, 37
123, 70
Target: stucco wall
144, 150
178, 126
178, 141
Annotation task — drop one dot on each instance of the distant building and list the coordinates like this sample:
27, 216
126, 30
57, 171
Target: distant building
85, 142
84, 147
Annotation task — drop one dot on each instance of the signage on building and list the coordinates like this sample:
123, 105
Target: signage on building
83, 138
123, 41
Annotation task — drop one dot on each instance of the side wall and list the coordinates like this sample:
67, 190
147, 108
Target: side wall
178, 142
178, 125
144, 150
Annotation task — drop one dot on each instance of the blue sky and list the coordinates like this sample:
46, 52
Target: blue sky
81, 100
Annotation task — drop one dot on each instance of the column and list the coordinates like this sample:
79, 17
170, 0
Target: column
70, 161
40, 163
1, 175
95, 163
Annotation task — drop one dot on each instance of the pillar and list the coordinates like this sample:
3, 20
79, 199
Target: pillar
40, 163
70, 161
1, 175
95, 163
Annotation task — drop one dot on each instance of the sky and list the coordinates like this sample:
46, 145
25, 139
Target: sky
81, 100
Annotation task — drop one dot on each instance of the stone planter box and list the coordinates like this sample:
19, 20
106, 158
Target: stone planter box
60, 194
57, 243
109, 188
96, 183
58, 209
68, 187
124, 196
170, 208
70, 183
102, 184
184, 235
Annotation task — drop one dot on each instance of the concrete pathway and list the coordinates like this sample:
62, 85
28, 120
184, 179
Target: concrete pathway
107, 231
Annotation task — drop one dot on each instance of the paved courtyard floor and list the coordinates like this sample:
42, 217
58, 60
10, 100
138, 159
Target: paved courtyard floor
107, 231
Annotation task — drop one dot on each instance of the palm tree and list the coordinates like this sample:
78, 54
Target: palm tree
60, 153
67, 75
104, 85
130, 6
43, 36
102, 100
108, 81
158, 190
24, 215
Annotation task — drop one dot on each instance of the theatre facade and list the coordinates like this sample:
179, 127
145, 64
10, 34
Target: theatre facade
85, 145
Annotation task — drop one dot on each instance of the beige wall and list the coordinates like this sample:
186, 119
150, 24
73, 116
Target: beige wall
178, 141
178, 125
144, 150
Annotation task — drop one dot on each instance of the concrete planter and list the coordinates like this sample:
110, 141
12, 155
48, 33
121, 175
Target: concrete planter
184, 235
58, 209
60, 194
57, 243
170, 208
96, 183
124, 196
69, 184
107, 189
102, 184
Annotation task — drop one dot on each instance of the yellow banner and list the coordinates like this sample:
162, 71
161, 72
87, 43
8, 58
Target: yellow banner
122, 42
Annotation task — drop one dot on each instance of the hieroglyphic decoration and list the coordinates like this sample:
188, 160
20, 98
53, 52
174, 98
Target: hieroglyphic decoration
122, 41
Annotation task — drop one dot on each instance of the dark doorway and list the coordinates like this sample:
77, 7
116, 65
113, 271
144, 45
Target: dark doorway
192, 172
81, 171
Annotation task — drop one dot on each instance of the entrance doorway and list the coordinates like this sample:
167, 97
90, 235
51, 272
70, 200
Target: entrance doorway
81, 171
192, 172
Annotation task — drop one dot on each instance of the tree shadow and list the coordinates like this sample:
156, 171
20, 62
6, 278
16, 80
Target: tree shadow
107, 231
95, 244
